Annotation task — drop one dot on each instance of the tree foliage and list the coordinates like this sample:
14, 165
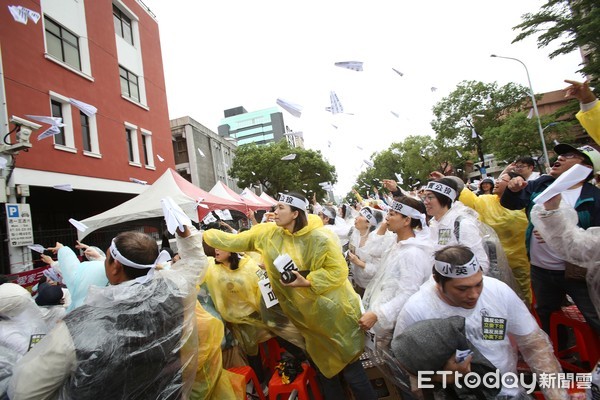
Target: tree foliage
261, 164
477, 106
572, 24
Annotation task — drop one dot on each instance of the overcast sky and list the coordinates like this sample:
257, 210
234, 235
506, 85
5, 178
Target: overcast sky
222, 54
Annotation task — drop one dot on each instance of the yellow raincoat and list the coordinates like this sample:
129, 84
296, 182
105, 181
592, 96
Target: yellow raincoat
327, 312
590, 120
510, 226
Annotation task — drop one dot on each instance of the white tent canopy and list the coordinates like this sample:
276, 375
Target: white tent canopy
147, 204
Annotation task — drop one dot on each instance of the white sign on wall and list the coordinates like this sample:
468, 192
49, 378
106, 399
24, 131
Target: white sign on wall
18, 222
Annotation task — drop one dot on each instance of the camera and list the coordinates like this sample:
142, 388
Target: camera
288, 277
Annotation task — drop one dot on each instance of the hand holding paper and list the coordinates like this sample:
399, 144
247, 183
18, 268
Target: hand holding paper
574, 175
174, 215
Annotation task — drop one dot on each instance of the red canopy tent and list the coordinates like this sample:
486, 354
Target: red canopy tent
221, 190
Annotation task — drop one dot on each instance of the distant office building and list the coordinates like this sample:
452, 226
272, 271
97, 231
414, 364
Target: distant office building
202, 156
260, 127
294, 139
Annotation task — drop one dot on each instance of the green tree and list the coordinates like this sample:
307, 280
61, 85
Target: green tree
475, 106
519, 136
261, 164
571, 24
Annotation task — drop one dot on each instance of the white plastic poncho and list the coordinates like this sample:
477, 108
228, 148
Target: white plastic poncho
442, 232
22, 323
370, 253
405, 266
327, 312
129, 340
571, 243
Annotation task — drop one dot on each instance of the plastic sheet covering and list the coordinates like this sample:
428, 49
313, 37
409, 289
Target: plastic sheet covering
212, 381
22, 322
137, 339
8, 358
510, 226
538, 353
238, 300
326, 313
571, 243
370, 253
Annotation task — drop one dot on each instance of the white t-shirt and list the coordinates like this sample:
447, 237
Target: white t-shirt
541, 254
498, 312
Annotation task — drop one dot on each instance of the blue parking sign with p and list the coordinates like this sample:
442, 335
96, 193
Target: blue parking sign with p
12, 211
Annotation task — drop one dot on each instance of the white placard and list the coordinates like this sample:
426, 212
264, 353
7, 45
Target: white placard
284, 263
267, 292
370, 340
18, 223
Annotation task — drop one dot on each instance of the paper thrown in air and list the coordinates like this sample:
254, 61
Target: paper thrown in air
174, 215
289, 157
37, 248
572, 176
85, 108
160, 158
139, 181
210, 218
369, 163
80, 226
336, 105
53, 130
352, 65
65, 187
54, 121
292, 108
398, 72
201, 153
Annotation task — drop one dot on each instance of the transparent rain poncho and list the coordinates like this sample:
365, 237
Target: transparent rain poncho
327, 312
21, 320
138, 339
571, 243
510, 226
238, 300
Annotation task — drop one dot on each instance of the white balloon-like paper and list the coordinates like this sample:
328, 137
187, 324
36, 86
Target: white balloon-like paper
352, 65
289, 157
80, 226
139, 181
37, 248
85, 108
292, 108
65, 187
174, 215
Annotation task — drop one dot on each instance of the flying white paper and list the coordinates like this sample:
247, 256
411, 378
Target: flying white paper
65, 187
572, 176
141, 182
37, 248
160, 158
352, 65
369, 163
292, 108
53, 130
85, 108
201, 153
398, 72
336, 105
289, 157
80, 226
174, 215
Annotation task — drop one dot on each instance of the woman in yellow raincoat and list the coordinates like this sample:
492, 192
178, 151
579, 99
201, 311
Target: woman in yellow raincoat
232, 280
322, 305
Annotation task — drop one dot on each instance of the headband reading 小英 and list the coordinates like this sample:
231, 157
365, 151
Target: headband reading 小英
368, 214
163, 257
457, 271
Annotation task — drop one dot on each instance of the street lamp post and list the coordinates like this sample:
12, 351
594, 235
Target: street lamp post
535, 110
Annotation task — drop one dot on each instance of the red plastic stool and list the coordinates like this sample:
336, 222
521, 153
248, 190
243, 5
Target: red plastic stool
270, 353
249, 374
587, 343
305, 381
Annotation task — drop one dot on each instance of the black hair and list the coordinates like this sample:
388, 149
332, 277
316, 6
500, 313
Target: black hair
234, 261
445, 201
330, 221
526, 160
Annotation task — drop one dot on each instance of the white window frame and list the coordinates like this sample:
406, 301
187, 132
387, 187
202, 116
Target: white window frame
147, 138
134, 145
95, 144
69, 145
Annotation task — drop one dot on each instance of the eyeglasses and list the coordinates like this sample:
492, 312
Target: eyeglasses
498, 180
571, 155
521, 166
428, 198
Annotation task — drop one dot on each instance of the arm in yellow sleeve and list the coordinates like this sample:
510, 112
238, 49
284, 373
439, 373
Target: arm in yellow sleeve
235, 242
468, 198
330, 270
590, 120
